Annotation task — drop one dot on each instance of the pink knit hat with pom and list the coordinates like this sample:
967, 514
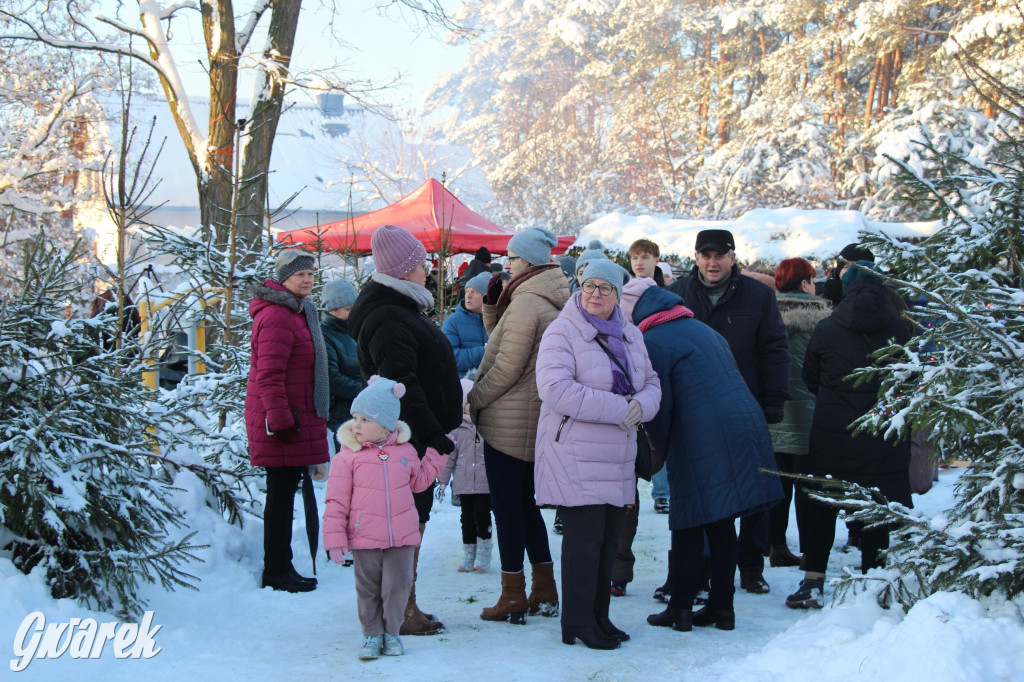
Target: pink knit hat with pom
395, 251
379, 401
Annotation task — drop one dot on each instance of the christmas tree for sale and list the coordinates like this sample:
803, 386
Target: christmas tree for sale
961, 381
83, 495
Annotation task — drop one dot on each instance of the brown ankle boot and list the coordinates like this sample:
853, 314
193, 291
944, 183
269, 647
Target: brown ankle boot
779, 555
543, 592
416, 622
512, 603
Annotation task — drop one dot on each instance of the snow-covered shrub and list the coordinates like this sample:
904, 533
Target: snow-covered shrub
961, 381
84, 496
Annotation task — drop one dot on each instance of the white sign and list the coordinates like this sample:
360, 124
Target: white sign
82, 638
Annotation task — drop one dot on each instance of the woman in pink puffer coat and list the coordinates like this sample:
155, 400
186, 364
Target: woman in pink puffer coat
596, 385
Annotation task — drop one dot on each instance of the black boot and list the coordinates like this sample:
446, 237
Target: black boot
723, 619
676, 618
589, 635
606, 627
295, 575
664, 593
286, 583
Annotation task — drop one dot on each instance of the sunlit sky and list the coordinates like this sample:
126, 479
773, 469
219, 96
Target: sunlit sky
380, 47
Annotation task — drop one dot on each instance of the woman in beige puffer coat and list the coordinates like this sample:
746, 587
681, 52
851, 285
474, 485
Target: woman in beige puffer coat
506, 408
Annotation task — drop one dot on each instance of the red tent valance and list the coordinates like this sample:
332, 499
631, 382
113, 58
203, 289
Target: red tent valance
425, 212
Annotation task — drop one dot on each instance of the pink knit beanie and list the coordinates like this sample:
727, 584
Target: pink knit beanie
395, 251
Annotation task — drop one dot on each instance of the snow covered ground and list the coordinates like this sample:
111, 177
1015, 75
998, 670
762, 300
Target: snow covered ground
230, 629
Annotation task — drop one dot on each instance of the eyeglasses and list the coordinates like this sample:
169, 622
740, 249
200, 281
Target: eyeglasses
589, 288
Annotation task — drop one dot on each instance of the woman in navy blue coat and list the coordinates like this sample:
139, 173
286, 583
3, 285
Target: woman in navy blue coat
714, 437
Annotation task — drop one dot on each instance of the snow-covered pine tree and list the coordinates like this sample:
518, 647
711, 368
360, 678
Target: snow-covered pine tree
83, 497
203, 420
961, 380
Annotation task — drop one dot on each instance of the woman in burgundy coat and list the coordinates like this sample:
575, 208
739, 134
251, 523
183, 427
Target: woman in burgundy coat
286, 405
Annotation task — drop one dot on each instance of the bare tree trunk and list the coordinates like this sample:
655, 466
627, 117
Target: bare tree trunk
869, 109
263, 122
214, 177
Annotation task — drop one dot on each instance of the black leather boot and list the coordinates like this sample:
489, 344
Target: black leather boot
589, 635
723, 619
606, 626
677, 619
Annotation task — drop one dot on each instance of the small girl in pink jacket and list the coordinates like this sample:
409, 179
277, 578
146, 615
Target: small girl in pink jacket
370, 510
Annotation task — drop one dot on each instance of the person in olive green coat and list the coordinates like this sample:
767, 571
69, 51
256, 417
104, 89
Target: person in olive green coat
801, 311
346, 381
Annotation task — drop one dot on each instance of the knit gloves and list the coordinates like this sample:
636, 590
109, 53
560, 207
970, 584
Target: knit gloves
634, 414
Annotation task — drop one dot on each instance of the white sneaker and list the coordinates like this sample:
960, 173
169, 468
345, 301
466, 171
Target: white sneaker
371, 648
393, 645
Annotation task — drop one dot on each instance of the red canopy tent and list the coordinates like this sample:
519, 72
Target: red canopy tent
425, 212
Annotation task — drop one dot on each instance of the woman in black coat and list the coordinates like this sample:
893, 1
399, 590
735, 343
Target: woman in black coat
396, 340
867, 318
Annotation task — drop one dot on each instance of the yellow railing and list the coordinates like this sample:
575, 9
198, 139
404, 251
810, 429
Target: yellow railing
197, 332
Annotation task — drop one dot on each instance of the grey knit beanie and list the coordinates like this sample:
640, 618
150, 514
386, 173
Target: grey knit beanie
595, 249
609, 271
379, 401
533, 245
338, 293
480, 282
291, 261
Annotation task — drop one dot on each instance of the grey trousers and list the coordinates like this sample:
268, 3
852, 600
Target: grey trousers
383, 582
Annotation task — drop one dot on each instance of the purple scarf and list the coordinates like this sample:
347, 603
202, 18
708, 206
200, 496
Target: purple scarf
611, 330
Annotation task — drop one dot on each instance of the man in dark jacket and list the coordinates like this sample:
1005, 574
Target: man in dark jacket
396, 340
746, 313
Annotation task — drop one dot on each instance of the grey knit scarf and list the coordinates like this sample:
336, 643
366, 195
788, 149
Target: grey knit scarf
420, 295
321, 382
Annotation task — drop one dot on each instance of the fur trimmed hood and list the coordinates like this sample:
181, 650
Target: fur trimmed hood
280, 296
802, 312
349, 441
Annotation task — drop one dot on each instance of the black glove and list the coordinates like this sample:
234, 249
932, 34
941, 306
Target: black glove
494, 289
774, 415
442, 443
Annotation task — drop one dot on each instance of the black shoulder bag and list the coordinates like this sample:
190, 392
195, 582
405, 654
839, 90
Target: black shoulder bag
648, 461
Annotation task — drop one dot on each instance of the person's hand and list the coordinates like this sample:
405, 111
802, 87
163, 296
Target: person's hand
439, 492
494, 289
774, 415
337, 555
442, 443
633, 416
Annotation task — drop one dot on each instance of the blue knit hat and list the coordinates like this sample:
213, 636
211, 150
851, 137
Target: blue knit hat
533, 245
379, 401
609, 271
868, 270
595, 249
480, 282
336, 294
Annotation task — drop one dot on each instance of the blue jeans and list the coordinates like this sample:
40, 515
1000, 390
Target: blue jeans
659, 481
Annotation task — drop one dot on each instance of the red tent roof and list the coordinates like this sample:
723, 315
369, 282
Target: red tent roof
424, 212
